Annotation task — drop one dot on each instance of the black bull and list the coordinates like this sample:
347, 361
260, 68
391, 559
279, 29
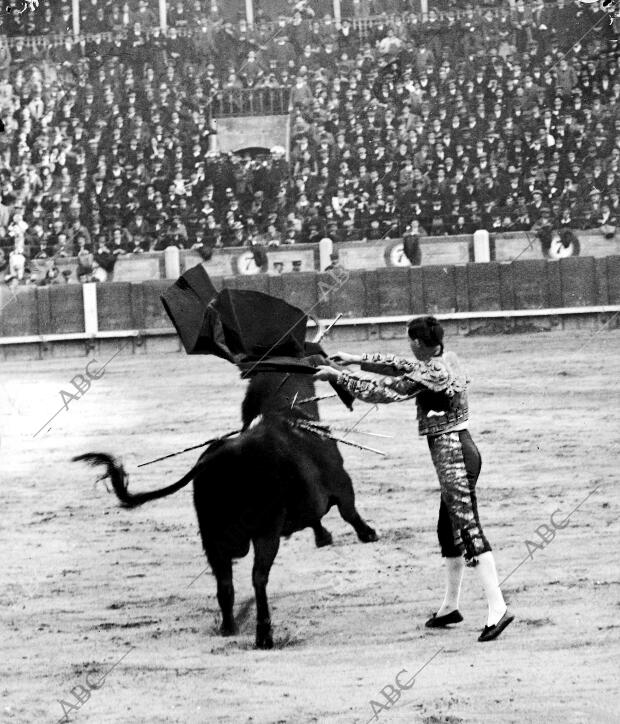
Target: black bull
268, 482
276, 394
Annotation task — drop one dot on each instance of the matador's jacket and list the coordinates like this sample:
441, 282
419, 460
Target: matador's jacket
439, 387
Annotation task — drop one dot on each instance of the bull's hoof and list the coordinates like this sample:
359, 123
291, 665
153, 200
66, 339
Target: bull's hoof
264, 636
323, 539
228, 629
265, 642
367, 535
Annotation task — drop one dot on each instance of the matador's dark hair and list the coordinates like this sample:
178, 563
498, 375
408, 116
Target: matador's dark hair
428, 330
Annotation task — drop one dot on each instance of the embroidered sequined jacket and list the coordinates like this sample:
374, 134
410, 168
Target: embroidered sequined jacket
439, 386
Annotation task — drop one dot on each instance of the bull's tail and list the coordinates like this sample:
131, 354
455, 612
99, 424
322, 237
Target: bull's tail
119, 479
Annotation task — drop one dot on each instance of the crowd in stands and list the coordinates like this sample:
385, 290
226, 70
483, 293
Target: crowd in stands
472, 117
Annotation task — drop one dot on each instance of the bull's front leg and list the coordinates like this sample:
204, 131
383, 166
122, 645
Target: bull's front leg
265, 551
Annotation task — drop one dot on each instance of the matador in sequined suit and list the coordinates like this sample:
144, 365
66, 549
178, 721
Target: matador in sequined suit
438, 384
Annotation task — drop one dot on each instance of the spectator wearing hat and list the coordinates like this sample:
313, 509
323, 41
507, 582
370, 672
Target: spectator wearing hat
84, 257
212, 233
291, 236
144, 15
536, 207
605, 221
76, 229
120, 243
335, 263
140, 232
103, 255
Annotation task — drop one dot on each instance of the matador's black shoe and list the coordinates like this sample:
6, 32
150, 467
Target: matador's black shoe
492, 632
436, 621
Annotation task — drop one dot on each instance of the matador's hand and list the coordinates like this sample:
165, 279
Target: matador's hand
326, 373
343, 358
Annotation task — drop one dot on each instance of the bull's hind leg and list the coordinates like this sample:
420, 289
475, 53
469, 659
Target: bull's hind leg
346, 507
322, 537
265, 551
222, 569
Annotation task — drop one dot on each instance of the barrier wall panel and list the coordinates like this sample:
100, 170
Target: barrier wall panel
602, 289
416, 290
522, 284
230, 282
154, 313
484, 286
136, 293
516, 246
506, 286
554, 284
67, 308
347, 297
44, 311
613, 279
280, 260
439, 289
220, 264
19, 313
594, 243
139, 267
386, 331
114, 306
356, 255
276, 286
65, 349
393, 292
257, 283
578, 275
371, 283
461, 288
442, 251
164, 345
300, 290
530, 283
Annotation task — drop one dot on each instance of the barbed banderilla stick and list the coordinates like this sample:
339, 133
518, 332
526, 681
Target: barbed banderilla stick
361, 432
193, 447
324, 431
355, 444
317, 398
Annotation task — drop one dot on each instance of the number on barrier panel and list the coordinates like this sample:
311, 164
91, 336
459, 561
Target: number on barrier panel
246, 264
397, 255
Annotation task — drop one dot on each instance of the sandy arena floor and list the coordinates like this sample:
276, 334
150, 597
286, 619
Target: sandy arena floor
89, 588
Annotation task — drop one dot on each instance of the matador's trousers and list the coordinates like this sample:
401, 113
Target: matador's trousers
457, 462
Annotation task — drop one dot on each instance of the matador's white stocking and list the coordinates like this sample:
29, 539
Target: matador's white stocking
454, 574
488, 576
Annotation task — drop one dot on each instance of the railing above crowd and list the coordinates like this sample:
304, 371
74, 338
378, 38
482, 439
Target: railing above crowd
362, 25
250, 102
